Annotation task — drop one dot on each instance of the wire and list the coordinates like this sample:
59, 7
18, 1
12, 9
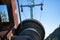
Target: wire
22, 11
41, 16
24, 15
41, 9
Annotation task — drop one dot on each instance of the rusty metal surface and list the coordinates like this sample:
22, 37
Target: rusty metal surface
2, 33
13, 19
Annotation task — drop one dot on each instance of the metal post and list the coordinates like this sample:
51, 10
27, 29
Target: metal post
31, 10
19, 10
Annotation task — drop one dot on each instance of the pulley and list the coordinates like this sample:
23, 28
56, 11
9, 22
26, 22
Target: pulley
32, 28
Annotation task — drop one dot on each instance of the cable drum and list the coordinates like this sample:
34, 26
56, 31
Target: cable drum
31, 27
33, 33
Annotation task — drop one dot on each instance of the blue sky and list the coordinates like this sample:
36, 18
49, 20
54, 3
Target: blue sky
50, 16
3, 8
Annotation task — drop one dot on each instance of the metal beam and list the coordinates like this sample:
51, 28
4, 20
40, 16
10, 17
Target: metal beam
30, 5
